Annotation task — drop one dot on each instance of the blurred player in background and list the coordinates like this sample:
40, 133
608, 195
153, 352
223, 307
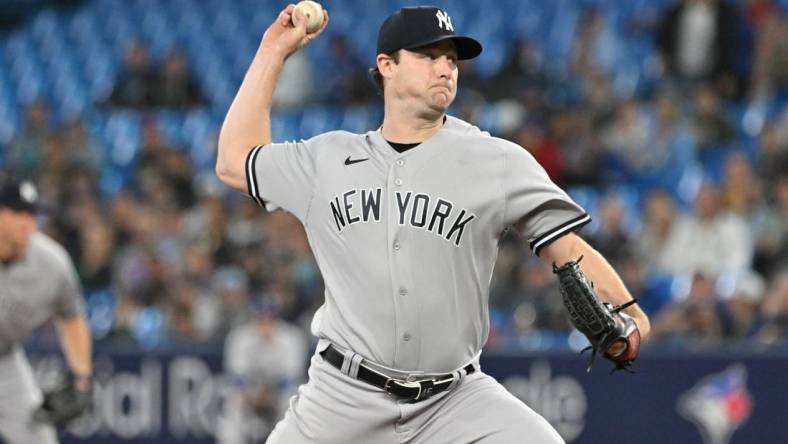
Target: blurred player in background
38, 281
264, 360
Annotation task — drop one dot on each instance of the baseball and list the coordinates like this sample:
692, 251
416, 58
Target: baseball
313, 13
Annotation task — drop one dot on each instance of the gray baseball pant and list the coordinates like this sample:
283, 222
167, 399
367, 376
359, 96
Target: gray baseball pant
332, 408
19, 398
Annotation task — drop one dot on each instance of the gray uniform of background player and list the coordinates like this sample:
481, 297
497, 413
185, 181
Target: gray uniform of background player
34, 288
406, 244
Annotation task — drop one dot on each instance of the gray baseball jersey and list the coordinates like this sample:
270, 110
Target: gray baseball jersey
406, 243
41, 284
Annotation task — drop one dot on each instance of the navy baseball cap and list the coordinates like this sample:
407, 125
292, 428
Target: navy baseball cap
19, 195
414, 27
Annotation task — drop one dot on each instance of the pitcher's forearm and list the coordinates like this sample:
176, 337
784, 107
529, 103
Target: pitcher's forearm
607, 282
610, 286
248, 121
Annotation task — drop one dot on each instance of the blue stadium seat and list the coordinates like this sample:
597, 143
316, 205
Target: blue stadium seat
588, 198
316, 120
285, 126
226, 21
169, 123
141, 8
558, 43
45, 24
120, 133
500, 321
9, 121
70, 97
753, 117
189, 22
98, 63
100, 307
23, 59
688, 185
750, 146
261, 18
198, 132
148, 328
31, 86
626, 79
659, 291
492, 58
713, 160
156, 30
83, 26
119, 29
630, 200
488, 118
122, 130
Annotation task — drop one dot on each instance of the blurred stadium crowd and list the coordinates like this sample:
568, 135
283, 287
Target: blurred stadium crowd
666, 120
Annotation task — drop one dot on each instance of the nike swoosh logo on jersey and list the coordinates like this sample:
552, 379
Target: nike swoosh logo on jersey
350, 161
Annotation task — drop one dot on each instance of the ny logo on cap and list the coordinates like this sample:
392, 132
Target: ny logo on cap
444, 21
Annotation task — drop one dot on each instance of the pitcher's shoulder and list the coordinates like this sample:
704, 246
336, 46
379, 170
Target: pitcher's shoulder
473, 138
337, 136
462, 128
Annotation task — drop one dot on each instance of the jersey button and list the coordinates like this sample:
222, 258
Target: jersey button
403, 292
396, 246
406, 336
398, 182
400, 162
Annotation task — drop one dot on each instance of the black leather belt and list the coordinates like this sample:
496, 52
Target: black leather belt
413, 391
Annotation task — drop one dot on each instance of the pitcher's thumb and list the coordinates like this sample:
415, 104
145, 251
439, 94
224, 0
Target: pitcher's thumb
299, 20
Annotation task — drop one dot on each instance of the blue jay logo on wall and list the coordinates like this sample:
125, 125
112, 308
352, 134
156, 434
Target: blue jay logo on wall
718, 404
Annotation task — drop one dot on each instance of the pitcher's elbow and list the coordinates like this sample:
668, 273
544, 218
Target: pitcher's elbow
229, 176
221, 169
224, 149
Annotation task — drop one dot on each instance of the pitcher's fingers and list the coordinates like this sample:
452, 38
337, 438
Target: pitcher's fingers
286, 16
283, 18
299, 21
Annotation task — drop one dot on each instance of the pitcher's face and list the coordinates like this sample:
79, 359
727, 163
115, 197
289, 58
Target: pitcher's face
427, 76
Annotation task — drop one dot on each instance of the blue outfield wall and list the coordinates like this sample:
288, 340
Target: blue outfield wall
175, 396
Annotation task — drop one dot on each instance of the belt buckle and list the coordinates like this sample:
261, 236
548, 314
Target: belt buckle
407, 384
426, 390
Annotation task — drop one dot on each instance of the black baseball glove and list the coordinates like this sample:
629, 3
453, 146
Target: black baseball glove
66, 402
611, 333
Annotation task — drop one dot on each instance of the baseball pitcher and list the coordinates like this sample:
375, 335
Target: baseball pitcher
37, 281
404, 222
